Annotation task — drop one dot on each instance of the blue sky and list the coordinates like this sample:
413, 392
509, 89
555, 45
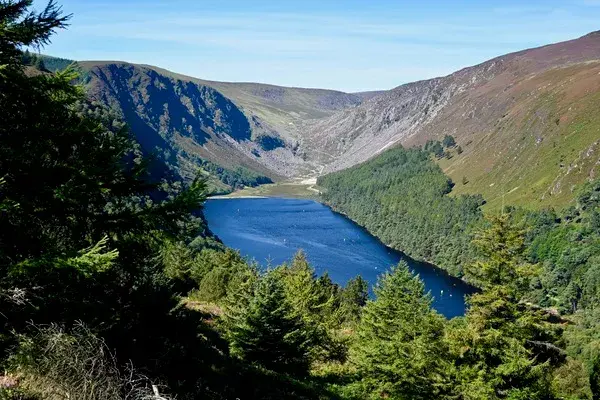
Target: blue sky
348, 45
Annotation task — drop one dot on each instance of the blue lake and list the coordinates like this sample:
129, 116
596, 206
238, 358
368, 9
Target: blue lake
272, 230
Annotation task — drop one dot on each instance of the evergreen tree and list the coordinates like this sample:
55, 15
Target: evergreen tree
449, 141
437, 149
353, 298
26, 59
315, 301
21, 27
501, 245
309, 300
504, 349
398, 352
329, 294
267, 332
39, 64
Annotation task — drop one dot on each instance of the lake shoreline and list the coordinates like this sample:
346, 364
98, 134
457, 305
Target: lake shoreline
227, 197
416, 259
255, 224
287, 189
339, 212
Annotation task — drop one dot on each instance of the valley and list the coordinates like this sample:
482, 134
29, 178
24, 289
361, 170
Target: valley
295, 188
525, 122
165, 237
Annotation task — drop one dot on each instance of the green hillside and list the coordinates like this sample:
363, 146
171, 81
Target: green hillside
542, 148
402, 198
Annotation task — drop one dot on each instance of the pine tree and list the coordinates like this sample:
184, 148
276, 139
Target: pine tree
449, 141
501, 245
27, 59
437, 149
302, 291
266, 332
314, 301
329, 295
21, 27
40, 65
503, 348
398, 350
353, 298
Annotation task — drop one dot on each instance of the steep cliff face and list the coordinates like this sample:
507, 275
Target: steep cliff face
184, 120
178, 121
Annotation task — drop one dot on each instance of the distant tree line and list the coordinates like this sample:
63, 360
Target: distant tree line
237, 178
45, 63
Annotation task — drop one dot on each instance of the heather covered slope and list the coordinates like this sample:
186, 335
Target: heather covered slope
526, 122
541, 147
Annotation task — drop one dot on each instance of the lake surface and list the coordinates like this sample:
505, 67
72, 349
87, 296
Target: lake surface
272, 230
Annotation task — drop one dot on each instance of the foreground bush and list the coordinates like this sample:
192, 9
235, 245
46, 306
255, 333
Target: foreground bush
55, 364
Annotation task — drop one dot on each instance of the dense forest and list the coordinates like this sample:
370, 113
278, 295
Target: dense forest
402, 197
45, 63
566, 246
110, 281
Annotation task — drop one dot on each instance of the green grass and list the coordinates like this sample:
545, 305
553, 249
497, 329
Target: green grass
512, 166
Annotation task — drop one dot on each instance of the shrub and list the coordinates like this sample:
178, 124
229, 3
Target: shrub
53, 364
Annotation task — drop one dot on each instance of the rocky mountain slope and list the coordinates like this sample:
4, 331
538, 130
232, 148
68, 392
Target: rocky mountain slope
187, 120
528, 122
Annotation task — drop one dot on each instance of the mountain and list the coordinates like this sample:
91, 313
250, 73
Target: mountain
528, 123
187, 121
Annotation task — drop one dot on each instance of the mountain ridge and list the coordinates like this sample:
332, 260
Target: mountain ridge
292, 132
459, 104
272, 112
